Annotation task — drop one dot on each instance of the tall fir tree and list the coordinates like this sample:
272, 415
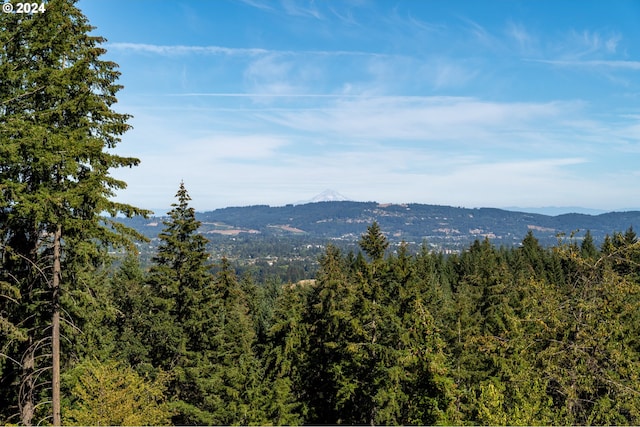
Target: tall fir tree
199, 329
176, 282
56, 124
180, 269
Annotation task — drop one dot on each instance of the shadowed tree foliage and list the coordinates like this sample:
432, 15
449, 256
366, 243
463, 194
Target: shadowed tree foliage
587, 247
130, 296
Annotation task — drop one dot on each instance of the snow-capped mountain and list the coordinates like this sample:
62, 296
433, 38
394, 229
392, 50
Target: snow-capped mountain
328, 196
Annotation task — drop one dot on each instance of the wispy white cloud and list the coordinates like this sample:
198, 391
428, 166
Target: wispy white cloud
184, 49
346, 17
586, 44
304, 8
594, 42
611, 64
421, 118
447, 73
263, 5
295, 8
168, 50
445, 150
524, 39
222, 147
611, 44
482, 36
424, 27
269, 95
372, 172
279, 75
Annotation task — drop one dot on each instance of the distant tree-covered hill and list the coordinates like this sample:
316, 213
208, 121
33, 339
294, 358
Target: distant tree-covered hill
286, 241
442, 227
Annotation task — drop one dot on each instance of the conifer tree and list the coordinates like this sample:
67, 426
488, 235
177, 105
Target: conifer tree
56, 125
372, 389
199, 329
533, 254
178, 281
588, 248
475, 269
180, 269
373, 242
374, 354
415, 386
433, 283
630, 237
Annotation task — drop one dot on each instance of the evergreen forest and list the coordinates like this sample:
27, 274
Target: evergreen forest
90, 335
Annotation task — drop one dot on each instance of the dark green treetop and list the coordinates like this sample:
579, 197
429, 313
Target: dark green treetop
56, 124
373, 242
180, 267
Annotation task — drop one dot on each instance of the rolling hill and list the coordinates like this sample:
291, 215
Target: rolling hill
442, 227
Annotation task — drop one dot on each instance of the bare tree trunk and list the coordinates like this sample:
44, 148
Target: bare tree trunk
25, 396
55, 327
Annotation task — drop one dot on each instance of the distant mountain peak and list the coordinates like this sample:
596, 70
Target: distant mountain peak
328, 195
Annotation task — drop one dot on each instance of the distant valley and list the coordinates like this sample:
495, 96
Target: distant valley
295, 235
443, 227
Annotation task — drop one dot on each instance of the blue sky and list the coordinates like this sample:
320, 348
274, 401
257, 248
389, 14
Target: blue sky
463, 103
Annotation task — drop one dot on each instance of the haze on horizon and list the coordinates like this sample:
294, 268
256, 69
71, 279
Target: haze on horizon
461, 103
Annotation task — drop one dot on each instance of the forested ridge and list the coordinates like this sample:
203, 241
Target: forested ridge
444, 227
286, 241
90, 335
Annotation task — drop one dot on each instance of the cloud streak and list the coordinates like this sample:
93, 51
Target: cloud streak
172, 50
610, 64
464, 120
